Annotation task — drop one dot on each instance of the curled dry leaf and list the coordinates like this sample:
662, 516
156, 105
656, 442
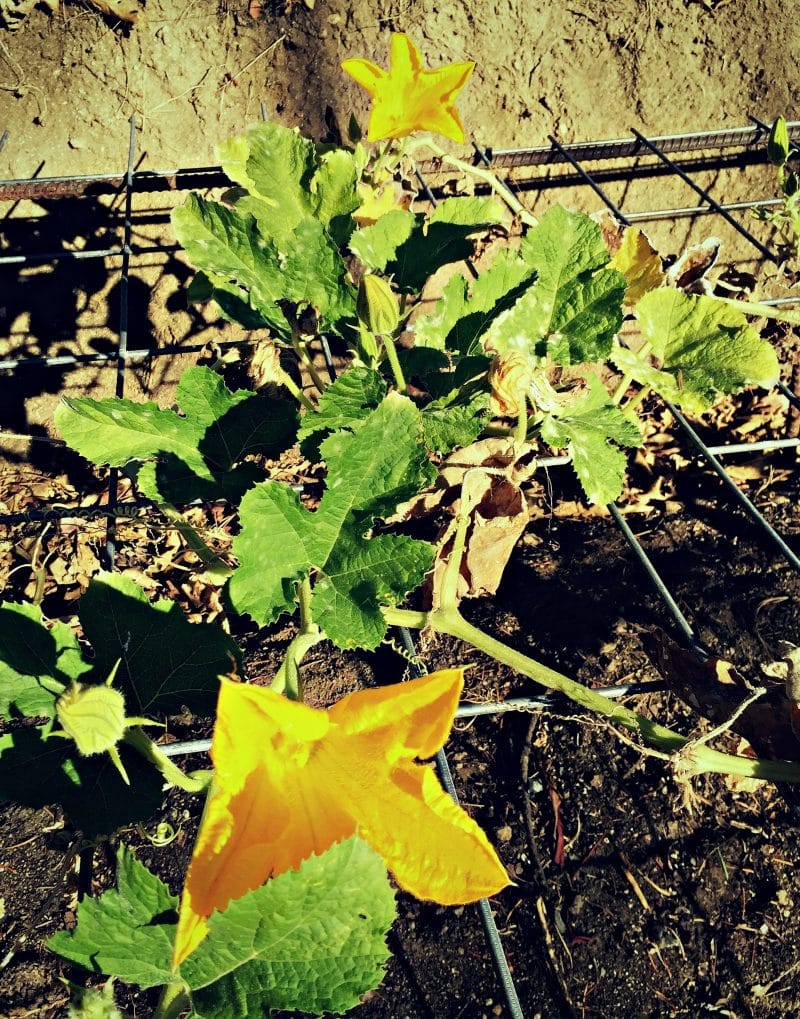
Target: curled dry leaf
716, 690
510, 377
483, 480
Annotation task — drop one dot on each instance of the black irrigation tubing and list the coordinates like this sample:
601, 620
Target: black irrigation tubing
592, 183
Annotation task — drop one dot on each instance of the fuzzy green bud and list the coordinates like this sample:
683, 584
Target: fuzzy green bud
376, 305
94, 716
778, 142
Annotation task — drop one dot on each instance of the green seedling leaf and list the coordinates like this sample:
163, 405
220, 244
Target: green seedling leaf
128, 931
344, 404
704, 348
38, 772
280, 165
312, 940
588, 429
376, 245
35, 661
465, 310
370, 471
166, 662
193, 455
573, 311
441, 239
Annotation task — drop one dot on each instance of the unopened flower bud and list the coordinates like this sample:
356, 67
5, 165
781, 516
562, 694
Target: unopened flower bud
94, 716
510, 378
791, 184
778, 142
376, 305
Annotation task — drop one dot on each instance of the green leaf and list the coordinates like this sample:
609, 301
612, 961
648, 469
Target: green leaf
376, 245
370, 471
449, 423
334, 191
588, 428
281, 164
441, 239
343, 404
128, 931
464, 311
198, 453
705, 349
33, 658
228, 245
312, 940
92, 1003
302, 267
574, 309
166, 661
38, 772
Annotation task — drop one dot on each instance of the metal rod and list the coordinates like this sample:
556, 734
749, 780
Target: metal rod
587, 177
109, 550
765, 251
77, 256
738, 495
489, 926
766, 128
699, 210
655, 578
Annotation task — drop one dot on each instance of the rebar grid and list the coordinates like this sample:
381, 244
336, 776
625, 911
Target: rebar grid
572, 155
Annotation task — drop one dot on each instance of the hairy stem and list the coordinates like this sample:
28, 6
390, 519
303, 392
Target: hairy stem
139, 741
689, 757
287, 679
174, 1000
397, 371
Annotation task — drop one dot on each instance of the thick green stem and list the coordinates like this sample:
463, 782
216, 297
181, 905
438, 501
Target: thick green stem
287, 381
397, 371
689, 757
287, 679
304, 358
174, 1000
762, 310
139, 741
484, 174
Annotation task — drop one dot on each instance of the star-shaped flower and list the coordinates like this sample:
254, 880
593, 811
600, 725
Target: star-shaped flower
407, 98
291, 780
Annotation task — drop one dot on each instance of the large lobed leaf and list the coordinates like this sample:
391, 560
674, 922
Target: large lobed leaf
313, 939
280, 241
166, 662
34, 661
370, 471
589, 429
194, 455
704, 349
574, 309
128, 931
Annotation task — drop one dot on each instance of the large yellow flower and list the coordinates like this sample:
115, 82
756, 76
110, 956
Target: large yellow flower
407, 98
290, 780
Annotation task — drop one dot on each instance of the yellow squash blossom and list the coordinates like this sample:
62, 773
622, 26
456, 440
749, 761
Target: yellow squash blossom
291, 780
407, 98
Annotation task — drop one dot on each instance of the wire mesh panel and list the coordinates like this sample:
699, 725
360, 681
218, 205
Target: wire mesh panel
93, 305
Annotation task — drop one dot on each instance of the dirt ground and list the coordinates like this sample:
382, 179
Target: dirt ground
627, 903
197, 71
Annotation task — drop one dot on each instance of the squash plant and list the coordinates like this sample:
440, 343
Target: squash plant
287, 901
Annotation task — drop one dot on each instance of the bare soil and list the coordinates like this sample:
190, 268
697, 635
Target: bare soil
628, 901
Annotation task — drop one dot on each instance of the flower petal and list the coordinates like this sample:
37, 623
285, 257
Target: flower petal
410, 98
364, 72
430, 844
419, 713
